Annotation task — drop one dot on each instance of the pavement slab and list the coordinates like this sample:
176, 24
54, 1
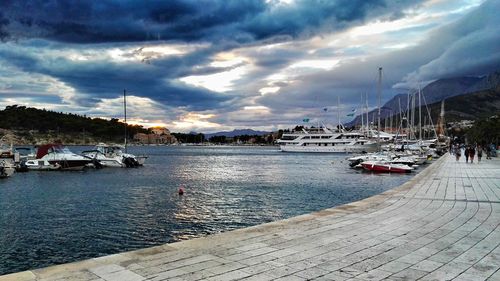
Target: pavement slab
442, 224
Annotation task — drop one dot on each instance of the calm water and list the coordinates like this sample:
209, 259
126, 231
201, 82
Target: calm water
52, 217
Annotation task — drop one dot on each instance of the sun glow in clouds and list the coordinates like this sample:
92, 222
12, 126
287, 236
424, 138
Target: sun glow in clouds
195, 120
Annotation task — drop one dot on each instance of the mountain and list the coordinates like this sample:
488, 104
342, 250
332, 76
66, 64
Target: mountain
234, 133
435, 92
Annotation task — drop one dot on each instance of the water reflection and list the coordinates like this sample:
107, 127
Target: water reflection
58, 217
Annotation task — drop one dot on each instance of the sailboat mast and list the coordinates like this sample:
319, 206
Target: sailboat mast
362, 115
338, 110
125, 115
419, 113
379, 92
367, 117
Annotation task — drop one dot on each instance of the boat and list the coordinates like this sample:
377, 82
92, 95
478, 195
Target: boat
57, 157
113, 156
385, 167
355, 161
7, 160
7, 168
323, 139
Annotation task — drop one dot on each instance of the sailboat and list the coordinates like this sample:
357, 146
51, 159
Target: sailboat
112, 155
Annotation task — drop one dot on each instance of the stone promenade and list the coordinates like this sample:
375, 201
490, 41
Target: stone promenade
441, 225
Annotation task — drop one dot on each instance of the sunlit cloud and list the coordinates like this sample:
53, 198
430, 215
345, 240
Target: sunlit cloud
218, 82
268, 90
191, 121
262, 64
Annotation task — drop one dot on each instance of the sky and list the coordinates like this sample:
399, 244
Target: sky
208, 66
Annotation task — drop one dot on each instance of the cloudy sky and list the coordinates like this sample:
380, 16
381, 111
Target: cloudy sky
212, 65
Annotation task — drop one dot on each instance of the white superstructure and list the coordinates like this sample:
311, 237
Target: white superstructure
325, 140
113, 156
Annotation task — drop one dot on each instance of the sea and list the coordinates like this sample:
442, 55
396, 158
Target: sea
54, 217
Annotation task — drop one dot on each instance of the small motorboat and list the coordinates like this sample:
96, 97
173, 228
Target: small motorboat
7, 169
355, 161
385, 167
57, 157
113, 156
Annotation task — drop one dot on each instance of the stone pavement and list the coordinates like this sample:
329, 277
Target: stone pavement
441, 225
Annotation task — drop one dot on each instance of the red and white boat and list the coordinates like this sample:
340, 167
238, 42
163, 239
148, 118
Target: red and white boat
385, 167
57, 157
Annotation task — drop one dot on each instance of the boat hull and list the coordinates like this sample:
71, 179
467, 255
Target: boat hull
385, 168
70, 165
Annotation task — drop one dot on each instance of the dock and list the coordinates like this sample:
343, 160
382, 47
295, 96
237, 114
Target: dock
443, 224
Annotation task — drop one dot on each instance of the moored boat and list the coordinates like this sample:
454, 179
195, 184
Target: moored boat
113, 156
7, 169
385, 167
57, 157
325, 140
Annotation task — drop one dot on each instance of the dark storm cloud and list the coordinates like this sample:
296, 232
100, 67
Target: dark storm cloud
95, 80
466, 47
183, 20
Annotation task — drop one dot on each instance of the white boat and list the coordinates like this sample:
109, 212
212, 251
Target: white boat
56, 157
7, 168
325, 140
385, 167
355, 161
7, 160
113, 156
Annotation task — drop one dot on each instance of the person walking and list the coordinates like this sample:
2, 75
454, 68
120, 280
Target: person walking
457, 152
479, 153
472, 152
466, 153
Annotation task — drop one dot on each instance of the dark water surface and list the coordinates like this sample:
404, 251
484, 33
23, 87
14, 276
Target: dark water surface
52, 217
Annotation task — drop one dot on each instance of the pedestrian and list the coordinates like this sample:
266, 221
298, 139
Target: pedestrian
457, 153
488, 152
466, 153
472, 152
479, 153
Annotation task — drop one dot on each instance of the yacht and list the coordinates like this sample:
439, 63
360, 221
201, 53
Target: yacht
323, 139
57, 157
113, 156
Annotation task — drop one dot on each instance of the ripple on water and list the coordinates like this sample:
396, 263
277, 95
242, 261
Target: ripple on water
48, 218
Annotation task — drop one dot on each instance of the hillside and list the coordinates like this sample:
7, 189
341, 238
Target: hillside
437, 91
234, 133
27, 125
471, 106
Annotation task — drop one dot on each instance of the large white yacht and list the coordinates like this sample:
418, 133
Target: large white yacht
323, 139
111, 155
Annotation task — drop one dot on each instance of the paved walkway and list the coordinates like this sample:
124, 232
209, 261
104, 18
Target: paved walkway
441, 225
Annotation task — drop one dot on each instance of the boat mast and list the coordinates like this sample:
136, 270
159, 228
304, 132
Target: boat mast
362, 113
379, 92
338, 111
419, 113
367, 117
125, 115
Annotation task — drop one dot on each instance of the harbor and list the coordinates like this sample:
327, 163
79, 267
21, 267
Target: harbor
249, 140
442, 224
